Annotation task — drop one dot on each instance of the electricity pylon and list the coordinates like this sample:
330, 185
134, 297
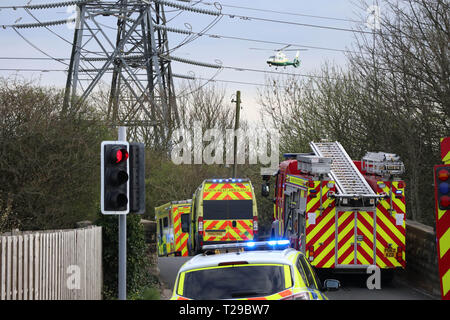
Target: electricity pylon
116, 43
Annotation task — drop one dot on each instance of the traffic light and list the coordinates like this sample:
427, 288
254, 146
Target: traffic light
442, 185
137, 177
115, 182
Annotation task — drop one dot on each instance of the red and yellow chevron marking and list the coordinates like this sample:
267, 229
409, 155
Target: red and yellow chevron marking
227, 191
364, 236
445, 150
223, 230
346, 237
389, 235
443, 244
320, 226
181, 238
359, 232
313, 198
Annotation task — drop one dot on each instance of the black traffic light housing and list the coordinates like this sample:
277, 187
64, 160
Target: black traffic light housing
442, 186
115, 181
137, 177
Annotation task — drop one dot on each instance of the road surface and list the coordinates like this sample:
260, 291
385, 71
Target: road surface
353, 287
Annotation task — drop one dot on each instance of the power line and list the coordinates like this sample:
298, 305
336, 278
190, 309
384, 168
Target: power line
171, 4
279, 73
239, 69
286, 13
37, 48
219, 36
47, 5
176, 30
297, 23
175, 75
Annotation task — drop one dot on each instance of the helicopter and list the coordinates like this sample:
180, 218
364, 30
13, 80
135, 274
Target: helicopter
280, 59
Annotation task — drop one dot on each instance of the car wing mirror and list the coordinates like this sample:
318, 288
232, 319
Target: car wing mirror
265, 190
331, 285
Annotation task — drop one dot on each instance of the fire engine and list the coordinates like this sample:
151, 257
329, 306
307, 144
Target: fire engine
342, 214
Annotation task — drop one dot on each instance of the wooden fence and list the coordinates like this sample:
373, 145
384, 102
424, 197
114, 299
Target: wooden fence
51, 265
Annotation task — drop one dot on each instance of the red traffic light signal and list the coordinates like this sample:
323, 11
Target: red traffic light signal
443, 175
118, 155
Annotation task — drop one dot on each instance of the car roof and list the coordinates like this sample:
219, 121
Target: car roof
252, 257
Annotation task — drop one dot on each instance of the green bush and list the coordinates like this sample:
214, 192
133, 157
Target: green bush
148, 293
49, 169
138, 263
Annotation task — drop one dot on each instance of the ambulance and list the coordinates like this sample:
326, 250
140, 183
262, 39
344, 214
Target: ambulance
174, 228
224, 211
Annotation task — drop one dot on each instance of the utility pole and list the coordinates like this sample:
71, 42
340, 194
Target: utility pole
236, 127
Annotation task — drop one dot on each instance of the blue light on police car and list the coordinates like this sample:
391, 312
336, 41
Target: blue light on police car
283, 242
251, 244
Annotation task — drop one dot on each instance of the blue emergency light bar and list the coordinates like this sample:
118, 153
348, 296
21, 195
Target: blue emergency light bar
232, 180
271, 244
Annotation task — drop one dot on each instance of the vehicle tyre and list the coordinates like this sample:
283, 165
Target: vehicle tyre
387, 275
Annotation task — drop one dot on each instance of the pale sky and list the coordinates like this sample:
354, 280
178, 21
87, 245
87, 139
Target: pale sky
343, 14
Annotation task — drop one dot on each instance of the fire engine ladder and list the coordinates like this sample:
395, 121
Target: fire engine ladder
349, 181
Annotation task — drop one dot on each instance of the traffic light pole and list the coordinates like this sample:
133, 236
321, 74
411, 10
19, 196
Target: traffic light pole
122, 239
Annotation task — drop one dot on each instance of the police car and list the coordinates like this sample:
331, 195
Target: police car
265, 270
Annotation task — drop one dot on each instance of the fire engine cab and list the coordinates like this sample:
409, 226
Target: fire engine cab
342, 214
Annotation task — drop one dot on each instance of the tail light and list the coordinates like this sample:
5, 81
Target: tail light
311, 253
200, 231
399, 254
298, 296
255, 225
311, 184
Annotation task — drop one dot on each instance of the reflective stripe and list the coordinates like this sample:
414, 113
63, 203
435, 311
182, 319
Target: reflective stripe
228, 191
181, 238
365, 229
223, 230
180, 288
287, 277
321, 234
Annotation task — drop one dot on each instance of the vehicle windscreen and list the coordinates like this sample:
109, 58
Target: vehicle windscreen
234, 282
227, 209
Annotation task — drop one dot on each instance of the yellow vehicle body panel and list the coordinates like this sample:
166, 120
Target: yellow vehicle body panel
171, 240
223, 222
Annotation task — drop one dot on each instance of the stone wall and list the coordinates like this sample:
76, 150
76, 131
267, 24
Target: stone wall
421, 258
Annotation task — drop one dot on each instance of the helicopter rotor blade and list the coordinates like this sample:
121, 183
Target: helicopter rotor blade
283, 49
262, 49
296, 50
